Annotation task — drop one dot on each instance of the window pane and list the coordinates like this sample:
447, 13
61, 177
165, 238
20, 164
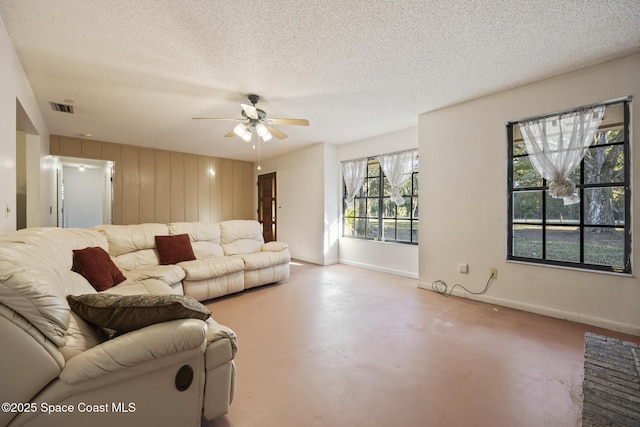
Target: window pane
360, 225
349, 227
563, 244
414, 232
559, 213
415, 184
349, 213
360, 207
390, 229
372, 228
374, 189
415, 208
527, 241
372, 208
405, 189
524, 175
527, 206
403, 211
604, 246
518, 144
604, 206
364, 189
604, 165
373, 169
389, 208
404, 231
387, 188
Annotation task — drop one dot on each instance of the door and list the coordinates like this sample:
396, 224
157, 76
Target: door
267, 205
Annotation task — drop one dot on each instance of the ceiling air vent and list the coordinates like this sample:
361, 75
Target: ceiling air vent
62, 107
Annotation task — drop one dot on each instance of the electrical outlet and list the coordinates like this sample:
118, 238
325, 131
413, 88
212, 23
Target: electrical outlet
494, 272
463, 268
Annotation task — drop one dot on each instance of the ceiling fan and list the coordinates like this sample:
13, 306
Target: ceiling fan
254, 121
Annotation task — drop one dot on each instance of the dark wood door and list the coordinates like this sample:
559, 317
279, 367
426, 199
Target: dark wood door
267, 205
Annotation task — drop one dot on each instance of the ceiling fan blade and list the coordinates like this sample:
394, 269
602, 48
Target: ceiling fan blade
275, 132
290, 122
250, 111
230, 134
216, 118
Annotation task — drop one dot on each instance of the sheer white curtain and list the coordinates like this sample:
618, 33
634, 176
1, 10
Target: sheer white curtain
397, 167
354, 172
557, 144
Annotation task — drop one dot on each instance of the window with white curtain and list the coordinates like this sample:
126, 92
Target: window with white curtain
385, 208
569, 188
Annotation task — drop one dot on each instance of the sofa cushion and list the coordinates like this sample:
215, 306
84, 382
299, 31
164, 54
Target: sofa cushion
209, 268
174, 249
241, 236
131, 312
148, 286
124, 239
95, 265
262, 260
205, 237
169, 274
141, 258
197, 231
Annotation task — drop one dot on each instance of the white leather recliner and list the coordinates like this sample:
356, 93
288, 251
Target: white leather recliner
57, 369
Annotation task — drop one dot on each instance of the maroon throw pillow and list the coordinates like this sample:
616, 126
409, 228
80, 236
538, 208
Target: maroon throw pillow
174, 249
96, 266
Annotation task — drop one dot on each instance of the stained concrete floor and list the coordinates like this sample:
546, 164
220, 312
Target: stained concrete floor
341, 346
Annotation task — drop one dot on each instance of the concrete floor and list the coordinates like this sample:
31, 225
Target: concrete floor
342, 346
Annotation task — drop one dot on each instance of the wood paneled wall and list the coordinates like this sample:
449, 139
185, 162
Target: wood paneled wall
166, 186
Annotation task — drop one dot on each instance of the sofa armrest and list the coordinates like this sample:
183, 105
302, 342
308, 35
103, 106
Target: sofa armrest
274, 247
217, 332
137, 348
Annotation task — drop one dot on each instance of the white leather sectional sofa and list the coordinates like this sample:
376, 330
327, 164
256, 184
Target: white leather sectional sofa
58, 369
230, 256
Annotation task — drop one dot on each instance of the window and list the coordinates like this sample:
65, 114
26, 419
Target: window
373, 206
594, 233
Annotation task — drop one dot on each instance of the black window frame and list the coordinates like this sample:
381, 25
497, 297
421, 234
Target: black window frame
379, 198
580, 187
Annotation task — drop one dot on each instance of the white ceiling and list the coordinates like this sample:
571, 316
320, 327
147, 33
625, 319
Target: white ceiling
138, 71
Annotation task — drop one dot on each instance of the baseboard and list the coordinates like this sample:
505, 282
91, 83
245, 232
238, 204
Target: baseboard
546, 311
308, 259
381, 269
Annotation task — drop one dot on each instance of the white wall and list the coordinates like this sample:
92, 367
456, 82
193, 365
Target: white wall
34, 170
14, 86
463, 161
332, 186
304, 217
393, 258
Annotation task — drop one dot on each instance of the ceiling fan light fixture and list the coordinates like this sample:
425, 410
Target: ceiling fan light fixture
255, 123
241, 129
262, 130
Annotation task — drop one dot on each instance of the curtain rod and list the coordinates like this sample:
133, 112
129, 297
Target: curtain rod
569, 110
378, 155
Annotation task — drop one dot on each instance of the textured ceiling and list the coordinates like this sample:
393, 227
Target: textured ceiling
138, 71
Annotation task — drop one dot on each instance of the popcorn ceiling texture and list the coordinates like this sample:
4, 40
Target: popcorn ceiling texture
138, 71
